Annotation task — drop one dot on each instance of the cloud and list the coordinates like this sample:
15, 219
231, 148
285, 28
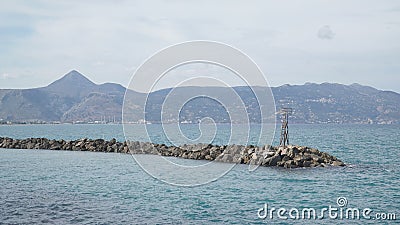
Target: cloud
41, 40
6, 76
326, 33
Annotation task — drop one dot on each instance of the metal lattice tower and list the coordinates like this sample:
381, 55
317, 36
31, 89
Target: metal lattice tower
284, 140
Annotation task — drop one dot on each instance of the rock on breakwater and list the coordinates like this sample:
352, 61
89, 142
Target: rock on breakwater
289, 157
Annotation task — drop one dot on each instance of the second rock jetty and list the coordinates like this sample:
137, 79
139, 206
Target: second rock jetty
291, 156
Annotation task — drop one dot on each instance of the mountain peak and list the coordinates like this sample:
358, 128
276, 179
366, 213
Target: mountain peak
73, 84
75, 77
73, 73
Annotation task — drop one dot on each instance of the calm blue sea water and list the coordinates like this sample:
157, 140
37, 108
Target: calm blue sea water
61, 187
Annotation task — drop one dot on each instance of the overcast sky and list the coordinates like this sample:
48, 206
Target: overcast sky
292, 41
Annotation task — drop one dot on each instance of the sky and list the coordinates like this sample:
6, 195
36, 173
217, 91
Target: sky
294, 42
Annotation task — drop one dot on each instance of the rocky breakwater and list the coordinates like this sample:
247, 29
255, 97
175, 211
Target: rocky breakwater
289, 157
97, 145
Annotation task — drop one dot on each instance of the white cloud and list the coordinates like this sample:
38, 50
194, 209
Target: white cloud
6, 76
326, 32
104, 39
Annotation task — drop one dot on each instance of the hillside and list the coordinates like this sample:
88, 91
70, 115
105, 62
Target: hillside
75, 98
71, 98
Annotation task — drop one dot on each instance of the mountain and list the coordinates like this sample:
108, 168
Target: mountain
71, 98
311, 103
75, 98
73, 85
337, 103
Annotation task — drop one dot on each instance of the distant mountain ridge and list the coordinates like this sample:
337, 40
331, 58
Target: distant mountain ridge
74, 98
70, 98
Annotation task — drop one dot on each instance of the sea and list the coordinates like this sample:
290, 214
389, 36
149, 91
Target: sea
72, 187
